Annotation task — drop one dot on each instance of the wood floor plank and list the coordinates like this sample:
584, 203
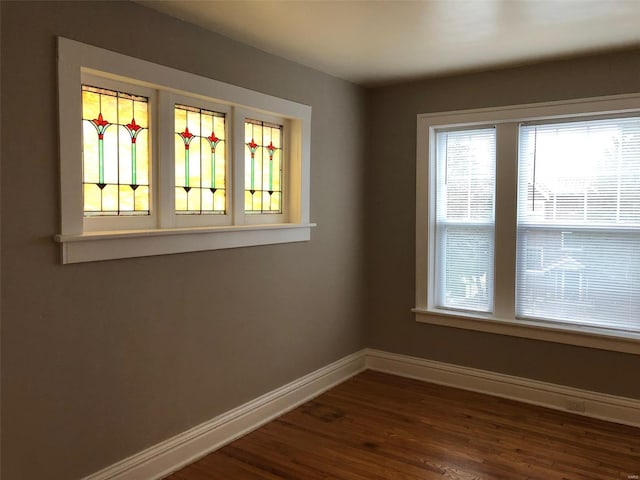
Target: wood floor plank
377, 426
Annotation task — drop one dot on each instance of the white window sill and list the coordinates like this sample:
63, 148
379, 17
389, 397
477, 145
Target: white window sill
583, 336
94, 246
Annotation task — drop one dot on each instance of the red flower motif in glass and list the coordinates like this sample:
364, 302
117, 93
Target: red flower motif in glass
187, 136
213, 141
100, 125
100, 122
271, 149
133, 128
253, 146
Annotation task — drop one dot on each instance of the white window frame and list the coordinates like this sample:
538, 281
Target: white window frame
173, 219
100, 223
122, 238
439, 228
255, 218
503, 318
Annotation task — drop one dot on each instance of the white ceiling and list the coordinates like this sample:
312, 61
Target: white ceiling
377, 42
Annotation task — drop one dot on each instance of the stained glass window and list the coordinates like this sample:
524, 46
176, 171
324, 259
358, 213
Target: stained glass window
115, 152
263, 167
200, 161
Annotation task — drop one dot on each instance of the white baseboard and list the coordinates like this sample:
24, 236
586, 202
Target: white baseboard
172, 454
582, 402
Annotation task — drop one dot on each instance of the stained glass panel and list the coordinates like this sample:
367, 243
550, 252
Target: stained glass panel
200, 161
115, 152
263, 167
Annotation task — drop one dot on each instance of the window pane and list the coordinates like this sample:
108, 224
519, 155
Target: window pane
200, 161
579, 223
465, 270
263, 167
115, 152
464, 243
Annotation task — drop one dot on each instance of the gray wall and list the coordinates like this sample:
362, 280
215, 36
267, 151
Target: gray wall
390, 229
101, 360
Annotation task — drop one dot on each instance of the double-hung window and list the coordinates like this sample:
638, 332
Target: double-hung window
464, 219
157, 161
579, 222
528, 221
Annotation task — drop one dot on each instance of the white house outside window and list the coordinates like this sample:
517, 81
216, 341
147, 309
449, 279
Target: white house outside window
579, 205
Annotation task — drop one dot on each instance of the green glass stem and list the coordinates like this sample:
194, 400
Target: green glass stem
270, 174
213, 168
253, 160
101, 161
133, 164
186, 167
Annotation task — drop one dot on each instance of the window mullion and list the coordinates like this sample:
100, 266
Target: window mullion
236, 159
164, 180
506, 219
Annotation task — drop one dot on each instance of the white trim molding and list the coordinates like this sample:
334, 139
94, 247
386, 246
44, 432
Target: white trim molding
94, 246
581, 336
504, 319
558, 397
166, 457
85, 238
174, 453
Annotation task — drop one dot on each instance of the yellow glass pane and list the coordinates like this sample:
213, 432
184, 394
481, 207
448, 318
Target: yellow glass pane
180, 119
92, 197
193, 198
126, 198
111, 154
257, 134
90, 105
193, 122
201, 124
205, 174
142, 158
194, 162
117, 109
124, 155
276, 137
125, 112
110, 198
276, 202
248, 132
266, 139
247, 168
276, 170
265, 172
179, 156
258, 168
219, 200
141, 112
142, 198
109, 109
89, 153
207, 199
248, 201
206, 125
219, 128
181, 199
266, 200
220, 165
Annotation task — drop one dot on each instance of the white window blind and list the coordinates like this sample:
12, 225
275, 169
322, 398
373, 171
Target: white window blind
464, 230
578, 245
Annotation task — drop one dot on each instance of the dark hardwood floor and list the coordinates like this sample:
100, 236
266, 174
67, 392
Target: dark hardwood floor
379, 426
